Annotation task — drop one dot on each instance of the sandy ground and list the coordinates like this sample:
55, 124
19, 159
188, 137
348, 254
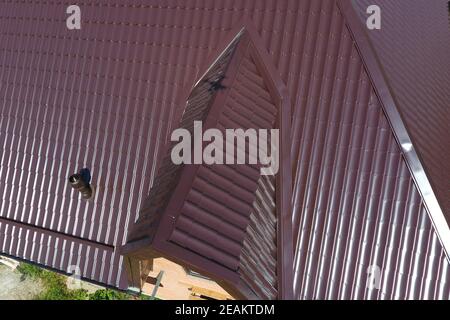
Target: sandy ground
13, 286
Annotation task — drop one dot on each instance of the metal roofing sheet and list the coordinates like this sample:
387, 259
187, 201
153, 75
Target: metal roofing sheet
355, 205
413, 47
359, 208
104, 97
230, 192
215, 212
100, 98
196, 109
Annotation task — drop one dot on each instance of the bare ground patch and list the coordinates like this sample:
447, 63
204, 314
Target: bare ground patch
15, 286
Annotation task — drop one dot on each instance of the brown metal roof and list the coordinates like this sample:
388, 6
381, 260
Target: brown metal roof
356, 204
418, 72
369, 132
225, 218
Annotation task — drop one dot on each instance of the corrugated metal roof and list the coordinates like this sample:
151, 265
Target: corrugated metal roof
355, 203
104, 97
100, 98
232, 195
213, 218
197, 107
418, 73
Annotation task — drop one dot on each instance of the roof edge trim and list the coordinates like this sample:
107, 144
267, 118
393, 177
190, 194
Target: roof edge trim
388, 102
57, 234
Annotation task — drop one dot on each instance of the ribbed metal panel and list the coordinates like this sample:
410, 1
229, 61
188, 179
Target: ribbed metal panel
418, 72
355, 203
223, 214
196, 109
223, 198
258, 265
68, 255
104, 97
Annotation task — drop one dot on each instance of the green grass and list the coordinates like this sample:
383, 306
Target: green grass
55, 287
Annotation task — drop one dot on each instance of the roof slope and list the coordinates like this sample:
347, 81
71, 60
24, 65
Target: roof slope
105, 98
418, 74
355, 203
224, 219
100, 98
197, 107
